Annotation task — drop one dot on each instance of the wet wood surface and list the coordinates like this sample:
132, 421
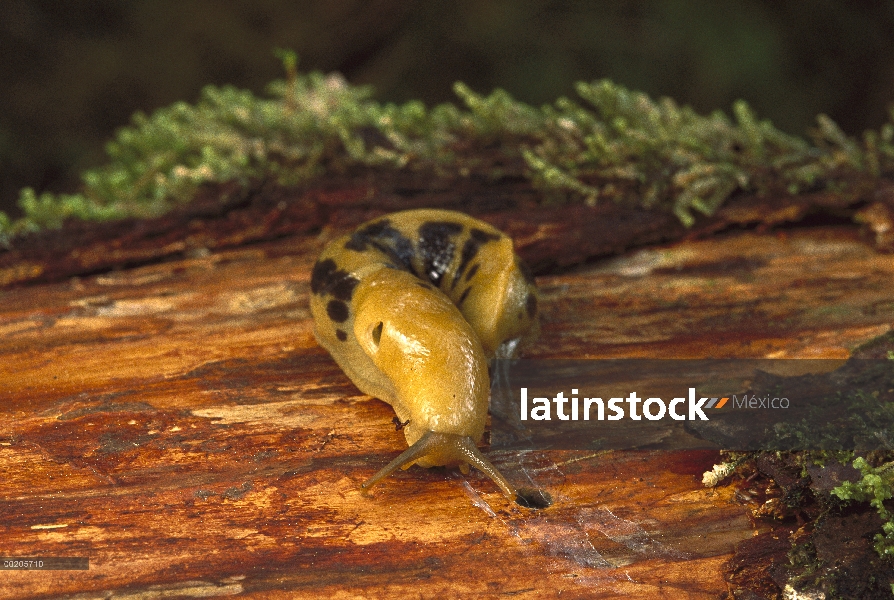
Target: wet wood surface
177, 423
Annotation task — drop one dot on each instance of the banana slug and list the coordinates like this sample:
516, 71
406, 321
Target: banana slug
413, 306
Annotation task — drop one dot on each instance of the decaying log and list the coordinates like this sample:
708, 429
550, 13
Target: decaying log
167, 413
232, 215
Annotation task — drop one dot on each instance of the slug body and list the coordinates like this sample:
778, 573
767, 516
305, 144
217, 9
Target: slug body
413, 306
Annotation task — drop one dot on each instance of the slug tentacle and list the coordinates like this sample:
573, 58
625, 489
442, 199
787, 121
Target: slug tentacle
422, 447
450, 447
413, 306
471, 453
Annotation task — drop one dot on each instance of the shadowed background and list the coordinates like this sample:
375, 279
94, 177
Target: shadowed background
73, 73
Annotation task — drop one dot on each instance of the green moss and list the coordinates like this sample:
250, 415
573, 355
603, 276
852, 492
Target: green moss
875, 486
854, 427
615, 144
876, 483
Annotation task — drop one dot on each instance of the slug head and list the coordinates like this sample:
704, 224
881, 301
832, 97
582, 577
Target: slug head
452, 448
433, 359
449, 448
430, 355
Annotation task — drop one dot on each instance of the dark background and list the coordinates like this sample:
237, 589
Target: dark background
71, 73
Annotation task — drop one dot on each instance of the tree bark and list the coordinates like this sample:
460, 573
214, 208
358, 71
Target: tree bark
167, 413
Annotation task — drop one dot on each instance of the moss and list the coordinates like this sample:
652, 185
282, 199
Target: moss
876, 483
832, 494
876, 486
614, 144
867, 427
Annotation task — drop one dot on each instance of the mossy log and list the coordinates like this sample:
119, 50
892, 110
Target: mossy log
167, 413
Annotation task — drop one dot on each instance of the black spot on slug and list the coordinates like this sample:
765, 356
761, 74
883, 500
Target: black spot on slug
337, 311
381, 236
344, 289
472, 271
436, 248
531, 305
477, 238
327, 278
463, 297
341, 335
483, 236
321, 274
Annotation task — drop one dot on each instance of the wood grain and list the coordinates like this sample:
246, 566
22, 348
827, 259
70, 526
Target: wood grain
177, 423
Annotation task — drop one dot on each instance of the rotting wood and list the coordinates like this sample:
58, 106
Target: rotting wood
230, 215
177, 423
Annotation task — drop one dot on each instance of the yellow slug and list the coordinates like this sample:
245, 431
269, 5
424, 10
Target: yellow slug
413, 306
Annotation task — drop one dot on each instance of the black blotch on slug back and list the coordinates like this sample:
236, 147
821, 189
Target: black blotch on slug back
327, 278
482, 236
381, 236
341, 335
463, 297
337, 311
436, 248
472, 271
477, 238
